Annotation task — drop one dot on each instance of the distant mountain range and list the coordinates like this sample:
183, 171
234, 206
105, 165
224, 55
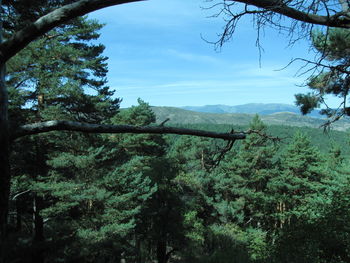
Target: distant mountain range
182, 116
251, 108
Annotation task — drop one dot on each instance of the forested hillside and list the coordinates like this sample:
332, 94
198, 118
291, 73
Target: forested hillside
177, 115
251, 108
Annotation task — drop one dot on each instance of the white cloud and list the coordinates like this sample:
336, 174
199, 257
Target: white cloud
193, 57
156, 53
211, 86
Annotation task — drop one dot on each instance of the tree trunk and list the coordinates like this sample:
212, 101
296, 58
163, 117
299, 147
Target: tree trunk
4, 156
4, 152
161, 251
38, 231
38, 222
38, 202
18, 216
4, 160
138, 249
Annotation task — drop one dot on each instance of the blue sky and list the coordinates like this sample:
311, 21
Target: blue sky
156, 52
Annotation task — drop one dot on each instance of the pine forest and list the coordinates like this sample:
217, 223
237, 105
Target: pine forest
276, 194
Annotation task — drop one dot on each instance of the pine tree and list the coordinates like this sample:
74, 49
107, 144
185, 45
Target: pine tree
62, 75
158, 229
298, 191
301, 177
243, 182
230, 201
334, 79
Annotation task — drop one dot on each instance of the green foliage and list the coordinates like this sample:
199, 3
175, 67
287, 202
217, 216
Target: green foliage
324, 141
57, 75
145, 198
307, 102
265, 201
196, 230
247, 174
334, 44
137, 197
334, 79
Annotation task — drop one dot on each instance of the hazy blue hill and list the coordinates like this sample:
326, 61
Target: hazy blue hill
177, 115
250, 108
219, 108
211, 108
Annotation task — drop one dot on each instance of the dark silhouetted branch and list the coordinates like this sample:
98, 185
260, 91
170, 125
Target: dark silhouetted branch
163, 122
41, 127
22, 38
339, 19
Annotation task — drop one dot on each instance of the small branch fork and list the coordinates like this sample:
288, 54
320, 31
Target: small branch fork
264, 135
221, 152
340, 71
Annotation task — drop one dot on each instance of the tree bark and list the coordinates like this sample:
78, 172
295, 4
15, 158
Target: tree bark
22, 38
161, 251
38, 230
339, 19
38, 201
4, 153
4, 157
38, 222
56, 125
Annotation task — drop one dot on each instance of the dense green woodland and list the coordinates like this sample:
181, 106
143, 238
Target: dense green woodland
102, 198
323, 140
142, 198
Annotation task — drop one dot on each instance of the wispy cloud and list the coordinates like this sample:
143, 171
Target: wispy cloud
248, 89
156, 53
193, 57
211, 92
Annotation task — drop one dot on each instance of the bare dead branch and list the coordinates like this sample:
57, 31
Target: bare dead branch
338, 19
304, 16
163, 122
20, 193
327, 125
221, 154
55, 125
263, 135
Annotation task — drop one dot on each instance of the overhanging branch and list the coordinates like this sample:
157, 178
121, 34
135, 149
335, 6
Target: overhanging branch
61, 15
339, 19
22, 38
41, 127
